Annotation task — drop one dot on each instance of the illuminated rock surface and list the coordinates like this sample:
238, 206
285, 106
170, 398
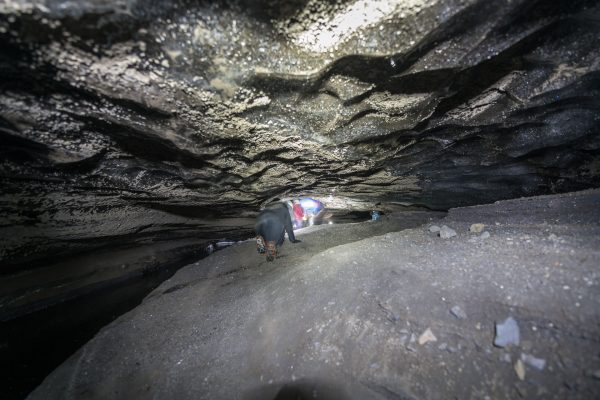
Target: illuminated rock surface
342, 321
127, 122
133, 133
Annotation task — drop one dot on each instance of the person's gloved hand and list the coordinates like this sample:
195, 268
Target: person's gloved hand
296, 241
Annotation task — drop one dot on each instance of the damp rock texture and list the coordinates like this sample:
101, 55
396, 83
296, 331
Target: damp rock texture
129, 123
368, 319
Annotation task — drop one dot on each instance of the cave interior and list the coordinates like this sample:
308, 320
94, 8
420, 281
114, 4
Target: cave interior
137, 136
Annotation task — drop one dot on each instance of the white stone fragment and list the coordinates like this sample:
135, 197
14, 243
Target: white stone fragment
427, 337
520, 369
446, 232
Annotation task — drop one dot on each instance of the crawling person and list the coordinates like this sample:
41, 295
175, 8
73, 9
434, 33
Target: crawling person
271, 225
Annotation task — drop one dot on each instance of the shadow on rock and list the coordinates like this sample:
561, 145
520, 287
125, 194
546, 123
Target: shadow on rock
302, 389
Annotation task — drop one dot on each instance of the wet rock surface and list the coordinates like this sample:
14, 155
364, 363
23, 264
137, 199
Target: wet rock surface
346, 321
129, 122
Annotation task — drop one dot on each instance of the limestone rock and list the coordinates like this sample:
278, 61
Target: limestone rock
446, 232
458, 312
520, 369
476, 228
507, 333
537, 363
426, 337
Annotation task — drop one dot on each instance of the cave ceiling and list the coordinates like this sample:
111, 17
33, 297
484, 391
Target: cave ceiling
116, 113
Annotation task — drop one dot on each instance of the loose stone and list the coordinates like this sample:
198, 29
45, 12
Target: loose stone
520, 369
426, 337
477, 228
458, 312
537, 363
507, 333
446, 232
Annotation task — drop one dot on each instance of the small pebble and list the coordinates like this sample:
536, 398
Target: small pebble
485, 235
520, 369
446, 232
507, 333
458, 312
434, 228
537, 363
426, 337
477, 228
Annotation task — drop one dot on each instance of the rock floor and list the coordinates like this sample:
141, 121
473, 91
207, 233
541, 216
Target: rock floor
376, 310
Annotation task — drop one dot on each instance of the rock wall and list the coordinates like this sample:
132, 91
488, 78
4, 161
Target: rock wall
128, 123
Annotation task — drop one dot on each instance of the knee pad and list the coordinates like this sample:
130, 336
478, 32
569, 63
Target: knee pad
260, 245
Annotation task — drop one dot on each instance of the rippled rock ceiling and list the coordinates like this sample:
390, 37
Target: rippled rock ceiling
128, 122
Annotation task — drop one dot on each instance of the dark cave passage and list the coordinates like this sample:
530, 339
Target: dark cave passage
137, 138
38, 341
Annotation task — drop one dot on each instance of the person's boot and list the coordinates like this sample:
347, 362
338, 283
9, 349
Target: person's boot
271, 251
